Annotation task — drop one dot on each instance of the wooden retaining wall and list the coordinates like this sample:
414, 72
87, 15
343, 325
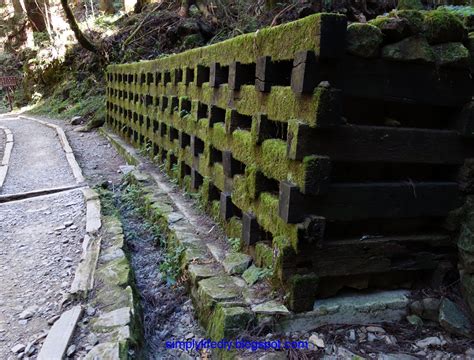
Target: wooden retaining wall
333, 169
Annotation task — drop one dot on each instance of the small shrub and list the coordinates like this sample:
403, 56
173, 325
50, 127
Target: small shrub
170, 266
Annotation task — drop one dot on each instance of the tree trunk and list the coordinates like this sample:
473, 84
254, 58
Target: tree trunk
81, 38
36, 15
107, 6
184, 9
18, 7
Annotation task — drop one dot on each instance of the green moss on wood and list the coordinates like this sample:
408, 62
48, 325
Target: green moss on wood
274, 162
302, 290
283, 252
242, 146
219, 136
268, 218
280, 42
263, 255
218, 177
234, 227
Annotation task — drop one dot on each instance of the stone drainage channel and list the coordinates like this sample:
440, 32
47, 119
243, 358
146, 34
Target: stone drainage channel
167, 310
96, 281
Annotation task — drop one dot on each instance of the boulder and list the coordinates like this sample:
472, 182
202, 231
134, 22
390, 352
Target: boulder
441, 26
412, 49
453, 319
451, 54
364, 40
393, 29
77, 120
414, 18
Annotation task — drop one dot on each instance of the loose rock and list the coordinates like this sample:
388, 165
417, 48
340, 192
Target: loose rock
415, 320
28, 313
316, 340
70, 350
453, 319
430, 341
18, 348
92, 339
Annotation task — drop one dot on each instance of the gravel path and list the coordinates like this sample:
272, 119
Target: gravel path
40, 238
38, 257
37, 161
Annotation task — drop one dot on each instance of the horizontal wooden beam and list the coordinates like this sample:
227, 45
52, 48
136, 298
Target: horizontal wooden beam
358, 201
403, 82
381, 255
379, 144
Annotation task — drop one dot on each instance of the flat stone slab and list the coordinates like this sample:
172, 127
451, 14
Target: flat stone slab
93, 223
271, 308
105, 351
198, 272
90, 194
112, 253
221, 288
357, 309
116, 272
218, 253
84, 276
236, 263
119, 317
58, 338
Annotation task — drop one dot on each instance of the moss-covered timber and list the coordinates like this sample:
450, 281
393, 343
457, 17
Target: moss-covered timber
235, 138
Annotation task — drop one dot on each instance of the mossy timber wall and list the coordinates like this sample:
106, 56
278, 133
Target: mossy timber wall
332, 169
